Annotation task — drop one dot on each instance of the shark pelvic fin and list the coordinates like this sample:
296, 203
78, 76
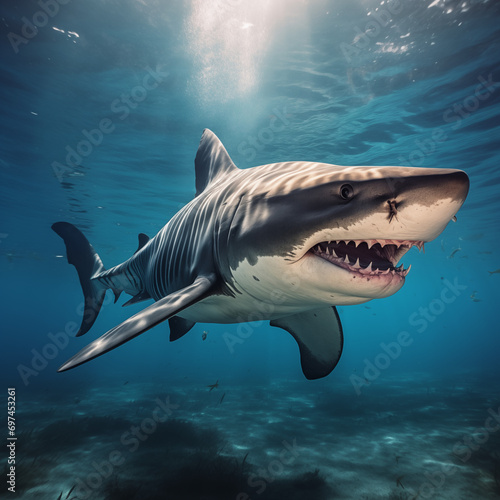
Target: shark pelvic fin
179, 327
82, 255
212, 161
320, 338
144, 295
144, 320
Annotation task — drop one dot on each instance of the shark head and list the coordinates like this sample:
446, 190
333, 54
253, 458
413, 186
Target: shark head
321, 233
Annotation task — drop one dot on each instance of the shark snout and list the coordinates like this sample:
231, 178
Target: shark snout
426, 187
463, 183
456, 182
428, 202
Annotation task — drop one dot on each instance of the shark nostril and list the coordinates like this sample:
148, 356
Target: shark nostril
393, 210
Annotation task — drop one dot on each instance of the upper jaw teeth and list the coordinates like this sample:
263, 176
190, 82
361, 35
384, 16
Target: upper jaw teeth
387, 257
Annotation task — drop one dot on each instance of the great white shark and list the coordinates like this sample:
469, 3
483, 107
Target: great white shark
290, 240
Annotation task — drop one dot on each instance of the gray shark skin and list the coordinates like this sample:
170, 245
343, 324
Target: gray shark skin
288, 240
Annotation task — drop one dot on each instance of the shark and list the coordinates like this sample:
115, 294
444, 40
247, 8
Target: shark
286, 242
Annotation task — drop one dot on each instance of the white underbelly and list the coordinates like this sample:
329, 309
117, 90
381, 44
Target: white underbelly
240, 309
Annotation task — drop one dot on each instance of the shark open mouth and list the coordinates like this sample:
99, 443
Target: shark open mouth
367, 257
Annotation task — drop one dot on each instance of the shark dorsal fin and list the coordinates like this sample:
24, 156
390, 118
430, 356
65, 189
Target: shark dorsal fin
211, 162
143, 239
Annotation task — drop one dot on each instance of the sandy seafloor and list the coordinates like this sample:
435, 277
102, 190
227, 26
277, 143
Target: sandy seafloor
409, 438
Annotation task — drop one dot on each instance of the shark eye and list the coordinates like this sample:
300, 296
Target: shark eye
346, 191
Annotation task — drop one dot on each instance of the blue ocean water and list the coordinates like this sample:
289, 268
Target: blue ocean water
103, 105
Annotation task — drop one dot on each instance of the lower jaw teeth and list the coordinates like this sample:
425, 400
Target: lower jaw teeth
368, 270
332, 257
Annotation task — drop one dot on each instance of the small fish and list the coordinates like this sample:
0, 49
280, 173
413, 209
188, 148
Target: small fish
213, 386
69, 492
125, 383
243, 461
399, 483
204, 335
497, 271
454, 252
474, 297
222, 398
471, 237
397, 458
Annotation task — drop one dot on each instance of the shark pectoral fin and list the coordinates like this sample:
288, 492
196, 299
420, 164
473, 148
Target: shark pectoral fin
144, 320
179, 327
320, 338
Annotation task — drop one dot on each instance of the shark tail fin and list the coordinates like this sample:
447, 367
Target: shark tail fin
88, 264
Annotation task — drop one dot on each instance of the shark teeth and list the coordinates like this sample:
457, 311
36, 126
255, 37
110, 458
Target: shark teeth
372, 257
366, 270
406, 271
